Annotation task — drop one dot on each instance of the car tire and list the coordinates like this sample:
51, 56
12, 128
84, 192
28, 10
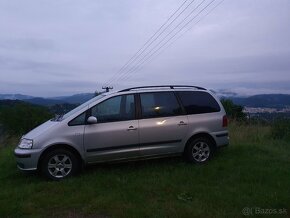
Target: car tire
199, 150
59, 164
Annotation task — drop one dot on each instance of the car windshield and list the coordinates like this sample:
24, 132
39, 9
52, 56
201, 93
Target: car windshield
80, 107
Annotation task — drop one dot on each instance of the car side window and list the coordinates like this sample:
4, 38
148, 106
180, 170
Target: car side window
196, 102
79, 120
119, 108
159, 104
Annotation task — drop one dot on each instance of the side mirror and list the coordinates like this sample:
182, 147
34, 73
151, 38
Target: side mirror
92, 120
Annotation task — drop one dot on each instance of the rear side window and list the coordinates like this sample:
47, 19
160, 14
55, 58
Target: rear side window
198, 102
159, 104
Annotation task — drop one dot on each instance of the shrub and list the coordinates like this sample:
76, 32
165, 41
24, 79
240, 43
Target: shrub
233, 111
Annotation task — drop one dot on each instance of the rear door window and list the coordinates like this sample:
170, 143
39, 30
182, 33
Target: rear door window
196, 102
159, 104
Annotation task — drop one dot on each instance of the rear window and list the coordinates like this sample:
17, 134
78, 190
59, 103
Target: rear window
198, 102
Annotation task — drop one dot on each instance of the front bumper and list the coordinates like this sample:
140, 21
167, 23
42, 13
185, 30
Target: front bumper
27, 159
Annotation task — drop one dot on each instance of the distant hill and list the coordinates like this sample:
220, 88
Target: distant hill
74, 99
14, 97
44, 101
267, 100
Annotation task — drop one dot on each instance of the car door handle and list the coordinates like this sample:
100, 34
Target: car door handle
182, 123
131, 128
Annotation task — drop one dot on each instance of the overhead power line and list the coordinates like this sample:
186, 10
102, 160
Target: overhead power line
150, 41
131, 67
164, 38
151, 53
210, 11
151, 58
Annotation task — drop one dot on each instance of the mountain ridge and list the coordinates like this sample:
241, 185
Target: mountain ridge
71, 99
264, 100
261, 100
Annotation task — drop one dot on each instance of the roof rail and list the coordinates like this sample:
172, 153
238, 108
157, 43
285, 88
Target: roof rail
163, 86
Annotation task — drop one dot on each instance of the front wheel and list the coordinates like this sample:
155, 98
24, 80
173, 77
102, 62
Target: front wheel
199, 150
59, 164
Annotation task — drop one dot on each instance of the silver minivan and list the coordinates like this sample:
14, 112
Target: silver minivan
135, 123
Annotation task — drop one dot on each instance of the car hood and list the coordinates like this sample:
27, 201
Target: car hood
41, 129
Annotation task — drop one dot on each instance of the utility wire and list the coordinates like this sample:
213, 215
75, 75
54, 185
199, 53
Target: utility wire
148, 55
148, 43
176, 39
182, 34
182, 21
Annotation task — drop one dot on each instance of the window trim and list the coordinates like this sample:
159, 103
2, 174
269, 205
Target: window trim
138, 108
140, 117
180, 103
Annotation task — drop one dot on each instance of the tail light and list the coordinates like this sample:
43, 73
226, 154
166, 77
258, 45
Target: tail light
225, 121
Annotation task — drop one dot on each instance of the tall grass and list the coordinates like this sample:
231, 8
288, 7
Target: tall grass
281, 129
242, 133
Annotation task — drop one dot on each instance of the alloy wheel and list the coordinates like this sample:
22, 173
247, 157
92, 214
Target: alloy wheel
59, 166
200, 151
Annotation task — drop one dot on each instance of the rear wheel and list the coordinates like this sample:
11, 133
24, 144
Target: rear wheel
199, 150
59, 164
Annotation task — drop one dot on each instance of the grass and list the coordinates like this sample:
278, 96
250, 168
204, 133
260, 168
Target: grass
252, 172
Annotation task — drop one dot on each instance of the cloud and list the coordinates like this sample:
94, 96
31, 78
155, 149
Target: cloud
27, 44
245, 43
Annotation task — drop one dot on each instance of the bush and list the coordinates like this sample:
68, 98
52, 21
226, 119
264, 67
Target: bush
233, 111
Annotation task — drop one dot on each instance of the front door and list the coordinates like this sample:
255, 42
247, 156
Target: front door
115, 136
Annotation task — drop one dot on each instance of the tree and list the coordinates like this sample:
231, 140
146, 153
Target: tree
233, 111
18, 117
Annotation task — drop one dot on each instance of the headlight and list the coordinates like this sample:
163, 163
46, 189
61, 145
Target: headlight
26, 144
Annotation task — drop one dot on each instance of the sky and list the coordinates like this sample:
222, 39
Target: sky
55, 48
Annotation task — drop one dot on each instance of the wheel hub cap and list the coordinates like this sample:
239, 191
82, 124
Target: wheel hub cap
200, 151
59, 165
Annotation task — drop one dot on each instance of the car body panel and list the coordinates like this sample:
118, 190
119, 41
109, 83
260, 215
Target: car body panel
43, 128
162, 135
114, 140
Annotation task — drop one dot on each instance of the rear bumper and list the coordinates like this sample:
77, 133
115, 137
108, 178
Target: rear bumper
27, 159
222, 138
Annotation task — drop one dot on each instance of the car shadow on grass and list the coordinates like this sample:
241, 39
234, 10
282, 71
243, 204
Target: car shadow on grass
134, 164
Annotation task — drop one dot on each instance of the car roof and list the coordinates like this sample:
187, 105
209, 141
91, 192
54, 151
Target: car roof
162, 88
